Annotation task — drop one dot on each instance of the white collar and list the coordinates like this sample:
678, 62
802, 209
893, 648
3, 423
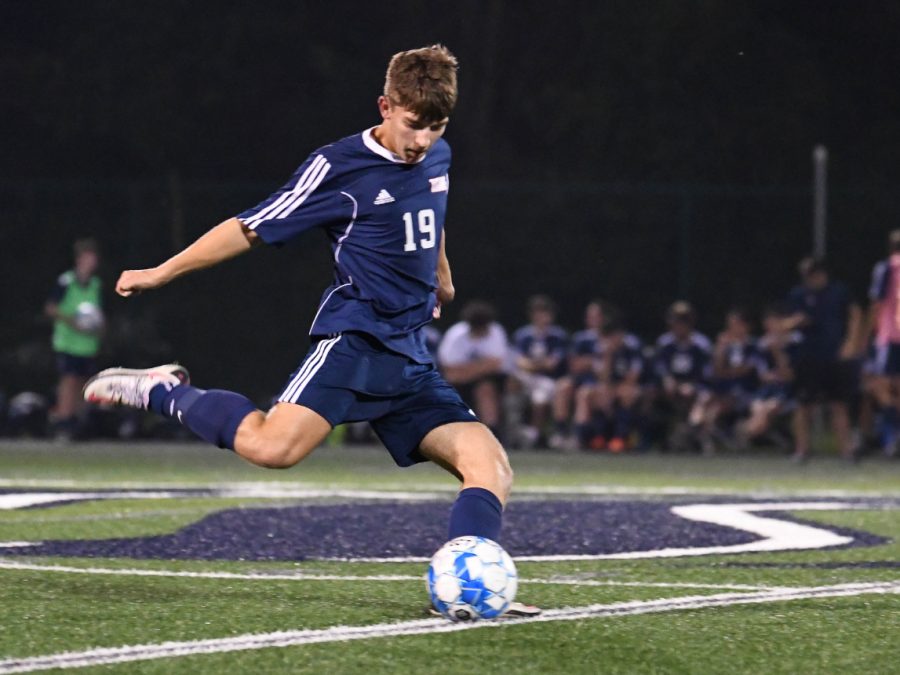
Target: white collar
376, 147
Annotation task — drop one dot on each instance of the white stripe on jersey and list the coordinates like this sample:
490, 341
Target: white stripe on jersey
264, 213
307, 372
301, 184
340, 242
315, 179
325, 302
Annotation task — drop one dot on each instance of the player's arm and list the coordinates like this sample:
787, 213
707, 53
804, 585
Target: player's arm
445, 290
51, 306
226, 240
854, 343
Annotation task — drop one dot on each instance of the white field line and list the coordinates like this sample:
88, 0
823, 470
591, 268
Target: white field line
302, 576
26, 499
291, 638
275, 489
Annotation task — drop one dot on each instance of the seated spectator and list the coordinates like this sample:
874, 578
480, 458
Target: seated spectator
474, 357
539, 350
583, 350
777, 353
683, 369
733, 382
613, 401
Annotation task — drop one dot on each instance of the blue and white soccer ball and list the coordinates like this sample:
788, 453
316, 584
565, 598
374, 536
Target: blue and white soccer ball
472, 578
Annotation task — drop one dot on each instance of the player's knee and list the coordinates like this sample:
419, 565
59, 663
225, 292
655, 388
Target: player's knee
275, 453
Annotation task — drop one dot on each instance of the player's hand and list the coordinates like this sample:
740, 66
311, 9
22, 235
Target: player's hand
436, 312
445, 293
132, 282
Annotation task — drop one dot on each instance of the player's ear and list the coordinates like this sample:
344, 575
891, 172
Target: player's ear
384, 107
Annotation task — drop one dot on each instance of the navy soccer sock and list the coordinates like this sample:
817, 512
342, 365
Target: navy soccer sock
477, 512
213, 415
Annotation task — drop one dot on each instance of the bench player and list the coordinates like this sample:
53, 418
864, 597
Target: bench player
381, 197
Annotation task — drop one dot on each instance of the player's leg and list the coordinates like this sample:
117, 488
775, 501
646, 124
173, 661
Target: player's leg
227, 419
473, 454
282, 437
562, 406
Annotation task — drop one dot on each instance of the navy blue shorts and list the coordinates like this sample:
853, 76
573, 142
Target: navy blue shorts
83, 366
353, 378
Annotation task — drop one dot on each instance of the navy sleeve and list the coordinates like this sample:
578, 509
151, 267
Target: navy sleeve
58, 291
312, 198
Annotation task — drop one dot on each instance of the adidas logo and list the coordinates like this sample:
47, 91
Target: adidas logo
384, 197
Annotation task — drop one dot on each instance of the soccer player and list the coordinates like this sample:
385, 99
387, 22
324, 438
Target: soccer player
381, 197
683, 363
583, 350
827, 369
733, 382
74, 305
775, 362
884, 321
474, 357
540, 360
615, 399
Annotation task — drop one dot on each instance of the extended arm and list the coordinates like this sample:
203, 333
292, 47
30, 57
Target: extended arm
226, 240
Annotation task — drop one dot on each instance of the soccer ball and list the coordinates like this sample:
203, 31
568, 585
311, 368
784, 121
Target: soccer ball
88, 317
472, 578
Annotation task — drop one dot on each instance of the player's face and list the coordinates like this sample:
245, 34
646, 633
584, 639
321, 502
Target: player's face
404, 134
593, 316
86, 263
541, 318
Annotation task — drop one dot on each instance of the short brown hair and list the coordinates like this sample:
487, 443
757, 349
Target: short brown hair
85, 245
541, 303
423, 81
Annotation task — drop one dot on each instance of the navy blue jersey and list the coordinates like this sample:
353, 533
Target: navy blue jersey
585, 343
531, 343
627, 359
828, 310
687, 361
384, 219
740, 355
767, 365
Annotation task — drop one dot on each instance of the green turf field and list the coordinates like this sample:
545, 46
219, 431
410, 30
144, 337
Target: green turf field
814, 611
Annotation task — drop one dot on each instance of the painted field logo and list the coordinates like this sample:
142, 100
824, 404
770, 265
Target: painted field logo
400, 530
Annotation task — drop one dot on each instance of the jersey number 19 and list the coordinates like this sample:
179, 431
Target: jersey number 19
426, 227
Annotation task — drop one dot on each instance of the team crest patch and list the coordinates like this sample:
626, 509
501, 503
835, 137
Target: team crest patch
440, 184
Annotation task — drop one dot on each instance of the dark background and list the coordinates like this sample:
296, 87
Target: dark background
639, 152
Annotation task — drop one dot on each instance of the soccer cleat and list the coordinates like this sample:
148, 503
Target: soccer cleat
131, 387
516, 610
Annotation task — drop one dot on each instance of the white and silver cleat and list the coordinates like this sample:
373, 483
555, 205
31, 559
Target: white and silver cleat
131, 386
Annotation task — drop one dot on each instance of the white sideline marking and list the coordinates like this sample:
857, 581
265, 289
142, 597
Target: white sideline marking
131, 653
302, 576
276, 489
26, 499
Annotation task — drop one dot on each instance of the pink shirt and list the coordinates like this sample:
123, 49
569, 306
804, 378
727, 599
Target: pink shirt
889, 312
